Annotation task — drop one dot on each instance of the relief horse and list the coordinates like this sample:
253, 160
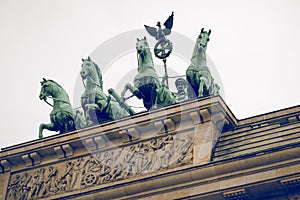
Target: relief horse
63, 115
97, 106
146, 83
198, 75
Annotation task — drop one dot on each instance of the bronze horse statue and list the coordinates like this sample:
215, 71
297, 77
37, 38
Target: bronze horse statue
146, 83
63, 117
198, 75
97, 106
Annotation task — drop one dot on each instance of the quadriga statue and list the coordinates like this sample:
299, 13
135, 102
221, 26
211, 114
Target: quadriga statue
97, 106
146, 83
198, 75
63, 117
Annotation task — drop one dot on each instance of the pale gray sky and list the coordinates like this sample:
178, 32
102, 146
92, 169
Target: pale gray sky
254, 46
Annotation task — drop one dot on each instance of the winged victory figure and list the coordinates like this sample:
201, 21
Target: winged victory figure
159, 34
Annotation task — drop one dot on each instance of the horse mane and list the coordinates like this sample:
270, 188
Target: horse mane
99, 74
56, 83
59, 87
147, 49
195, 48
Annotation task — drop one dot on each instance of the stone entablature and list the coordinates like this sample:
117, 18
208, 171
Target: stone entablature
146, 143
162, 154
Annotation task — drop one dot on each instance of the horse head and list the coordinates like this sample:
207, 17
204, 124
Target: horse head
144, 53
142, 46
52, 89
46, 89
91, 72
86, 68
203, 39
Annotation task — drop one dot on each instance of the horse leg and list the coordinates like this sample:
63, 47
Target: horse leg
193, 79
135, 91
122, 98
124, 91
165, 96
201, 88
155, 96
80, 121
69, 125
90, 114
50, 127
205, 83
87, 117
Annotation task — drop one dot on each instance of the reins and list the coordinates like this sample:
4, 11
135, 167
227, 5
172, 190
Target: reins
55, 100
48, 102
93, 81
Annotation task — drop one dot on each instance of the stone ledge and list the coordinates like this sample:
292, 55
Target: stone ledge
287, 113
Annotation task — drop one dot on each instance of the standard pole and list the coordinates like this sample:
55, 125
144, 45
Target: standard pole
166, 72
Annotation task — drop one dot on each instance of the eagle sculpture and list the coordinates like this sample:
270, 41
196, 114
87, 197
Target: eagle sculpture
160, 33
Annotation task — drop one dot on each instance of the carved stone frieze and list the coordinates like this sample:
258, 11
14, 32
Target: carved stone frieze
140, 158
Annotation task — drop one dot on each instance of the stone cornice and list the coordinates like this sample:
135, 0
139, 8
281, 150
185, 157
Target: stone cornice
272, 117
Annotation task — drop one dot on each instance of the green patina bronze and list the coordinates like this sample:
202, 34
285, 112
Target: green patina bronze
198, 75
146, 82
97, 106
163, 48
63, 117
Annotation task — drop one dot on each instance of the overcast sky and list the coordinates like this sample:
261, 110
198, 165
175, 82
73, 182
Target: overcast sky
254, 47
